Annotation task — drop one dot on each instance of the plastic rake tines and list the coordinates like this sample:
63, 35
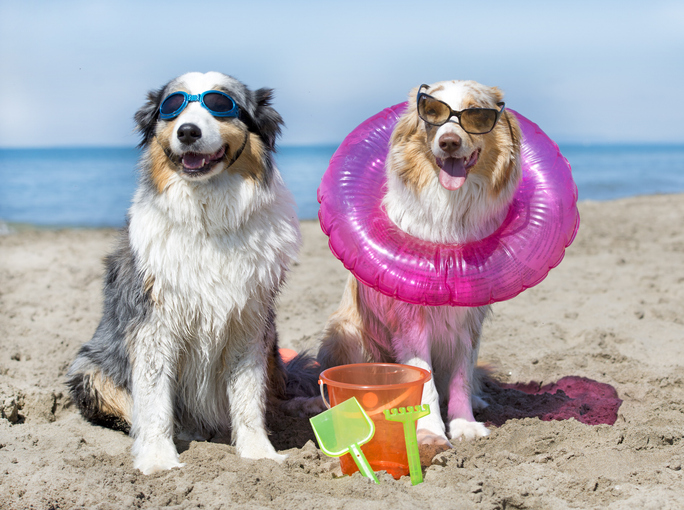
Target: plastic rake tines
408, 416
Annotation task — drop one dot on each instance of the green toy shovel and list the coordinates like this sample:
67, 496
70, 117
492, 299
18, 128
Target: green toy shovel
408, 416
343, 429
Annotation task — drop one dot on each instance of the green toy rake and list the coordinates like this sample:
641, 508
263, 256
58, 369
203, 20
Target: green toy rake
408, 416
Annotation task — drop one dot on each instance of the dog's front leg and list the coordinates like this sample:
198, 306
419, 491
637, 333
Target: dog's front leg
154, 361
462, 423
247, 386
430, 429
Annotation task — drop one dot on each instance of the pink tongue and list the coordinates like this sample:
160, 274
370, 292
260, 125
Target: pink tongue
453, 173
193, 161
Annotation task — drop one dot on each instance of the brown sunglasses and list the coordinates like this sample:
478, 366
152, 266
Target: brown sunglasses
476, 121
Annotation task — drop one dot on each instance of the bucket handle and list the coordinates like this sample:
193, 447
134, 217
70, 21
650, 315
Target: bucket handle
321, 384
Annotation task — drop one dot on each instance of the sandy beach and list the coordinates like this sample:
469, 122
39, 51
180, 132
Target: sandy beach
611, 314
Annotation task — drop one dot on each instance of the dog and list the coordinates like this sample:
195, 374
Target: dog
187, 341
452, 169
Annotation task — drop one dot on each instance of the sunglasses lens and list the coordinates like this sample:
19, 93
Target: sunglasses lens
172, 104
478, 120
433, 111
219, 103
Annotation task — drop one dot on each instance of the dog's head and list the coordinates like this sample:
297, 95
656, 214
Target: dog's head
199, 136
423, 153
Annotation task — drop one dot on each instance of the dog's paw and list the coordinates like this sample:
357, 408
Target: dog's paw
251, 444
262, 453
153, 457
428, 437
303, 407
430, 444
464, 429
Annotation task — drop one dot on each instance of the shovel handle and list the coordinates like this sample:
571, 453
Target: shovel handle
362, 462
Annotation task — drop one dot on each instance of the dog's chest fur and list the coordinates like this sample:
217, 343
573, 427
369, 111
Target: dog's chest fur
217, 249
212, 259
441, 216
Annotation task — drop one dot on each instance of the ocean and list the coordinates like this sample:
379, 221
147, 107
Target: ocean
93, 187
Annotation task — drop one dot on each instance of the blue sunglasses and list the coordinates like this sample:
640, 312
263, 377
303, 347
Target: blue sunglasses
218, 103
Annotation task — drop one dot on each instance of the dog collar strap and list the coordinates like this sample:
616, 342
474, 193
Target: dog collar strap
238, 153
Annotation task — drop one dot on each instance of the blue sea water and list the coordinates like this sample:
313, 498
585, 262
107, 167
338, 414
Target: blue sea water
92, 187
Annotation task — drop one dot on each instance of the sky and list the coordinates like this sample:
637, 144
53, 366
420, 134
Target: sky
73, 73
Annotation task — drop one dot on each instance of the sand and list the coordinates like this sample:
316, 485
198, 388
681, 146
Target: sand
612, 313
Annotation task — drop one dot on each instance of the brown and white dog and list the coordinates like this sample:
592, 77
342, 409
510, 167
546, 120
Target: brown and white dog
187, 343
449, 186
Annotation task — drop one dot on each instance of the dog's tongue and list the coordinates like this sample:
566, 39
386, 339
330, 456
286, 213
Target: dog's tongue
193, 160
453, 173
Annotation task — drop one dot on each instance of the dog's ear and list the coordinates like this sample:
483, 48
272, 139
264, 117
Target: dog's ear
508, 168
409, 123
407, 157
267, 121
497, 94
146, 117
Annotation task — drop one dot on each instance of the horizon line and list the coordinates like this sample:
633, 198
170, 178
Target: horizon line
335, 144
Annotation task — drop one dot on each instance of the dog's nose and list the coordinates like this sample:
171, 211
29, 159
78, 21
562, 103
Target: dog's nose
450, 142
189, 133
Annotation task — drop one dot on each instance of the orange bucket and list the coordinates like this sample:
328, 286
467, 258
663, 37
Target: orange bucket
377, 386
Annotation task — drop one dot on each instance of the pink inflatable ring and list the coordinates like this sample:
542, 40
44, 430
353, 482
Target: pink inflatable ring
542, 221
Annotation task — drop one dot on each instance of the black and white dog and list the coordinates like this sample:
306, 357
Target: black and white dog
187, 340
